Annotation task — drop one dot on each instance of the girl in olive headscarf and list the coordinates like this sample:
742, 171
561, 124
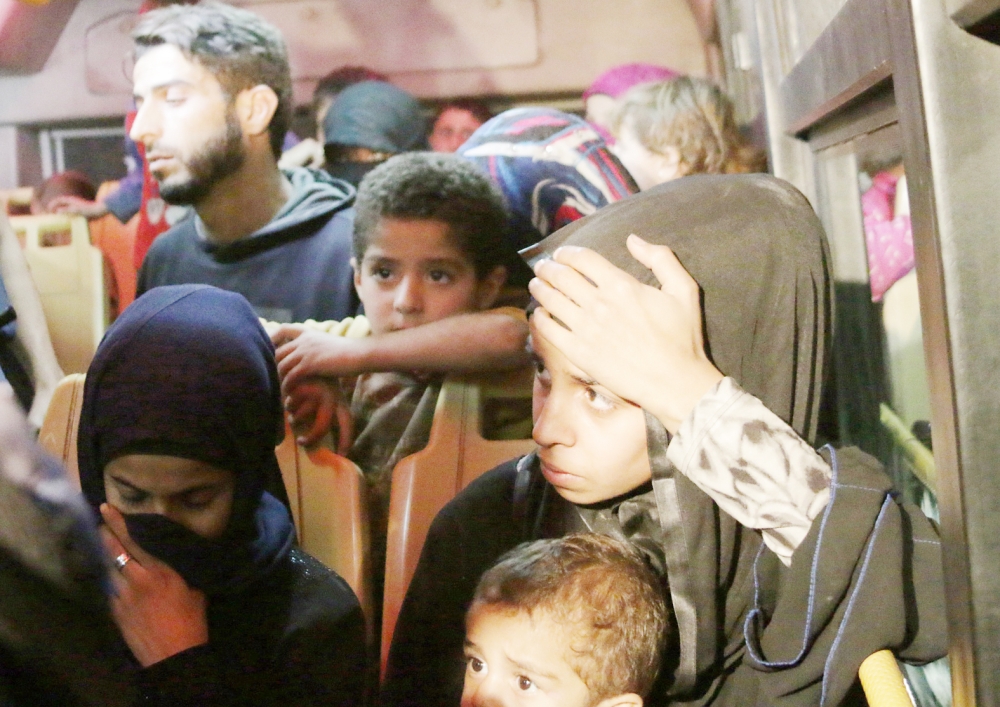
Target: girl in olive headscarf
786, 567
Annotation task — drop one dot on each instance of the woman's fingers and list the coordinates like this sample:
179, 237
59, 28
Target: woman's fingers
673, 277
590, 264
115, 522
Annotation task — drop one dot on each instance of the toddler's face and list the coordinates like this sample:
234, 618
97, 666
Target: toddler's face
514, 659
591, 443
413, 274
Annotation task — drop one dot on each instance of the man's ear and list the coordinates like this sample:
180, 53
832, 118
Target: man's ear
255, 107
629, 699
488, 288
357, 274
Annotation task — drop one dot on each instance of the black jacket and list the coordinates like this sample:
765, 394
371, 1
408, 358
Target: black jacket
295, 638
295, 268
868, 576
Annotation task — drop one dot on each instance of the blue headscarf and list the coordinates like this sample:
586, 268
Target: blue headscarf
188, 371
552, 167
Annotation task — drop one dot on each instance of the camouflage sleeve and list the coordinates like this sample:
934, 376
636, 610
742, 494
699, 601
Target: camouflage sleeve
753, 465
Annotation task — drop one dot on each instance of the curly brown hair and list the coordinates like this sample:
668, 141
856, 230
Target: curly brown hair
604, 592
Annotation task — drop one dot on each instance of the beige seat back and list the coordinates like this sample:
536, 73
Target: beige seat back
326, 490
61, 423
423, 483
69, 274
14, 202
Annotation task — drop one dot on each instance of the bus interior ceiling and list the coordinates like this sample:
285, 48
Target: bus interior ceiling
509, 52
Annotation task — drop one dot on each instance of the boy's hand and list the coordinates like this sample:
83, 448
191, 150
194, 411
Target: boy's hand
158, 614
642, 343
313, 353
312, 407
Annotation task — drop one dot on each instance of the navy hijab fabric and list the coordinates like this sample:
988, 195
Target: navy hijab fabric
188, 371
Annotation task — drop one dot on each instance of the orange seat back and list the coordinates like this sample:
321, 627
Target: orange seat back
422, 483
327, 494
326, 491
69, 274
117, 241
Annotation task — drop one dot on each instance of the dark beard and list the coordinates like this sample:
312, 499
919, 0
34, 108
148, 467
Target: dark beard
219, 158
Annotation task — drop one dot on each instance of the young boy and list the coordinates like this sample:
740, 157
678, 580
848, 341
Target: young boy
429, 243
579, 621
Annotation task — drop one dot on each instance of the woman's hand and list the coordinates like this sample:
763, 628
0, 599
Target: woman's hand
158, 614
642, 343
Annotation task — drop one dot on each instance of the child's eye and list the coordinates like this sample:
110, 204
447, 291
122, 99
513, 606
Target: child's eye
380, 273
524, 683
539, 367
439, 276
598, 401
476, 665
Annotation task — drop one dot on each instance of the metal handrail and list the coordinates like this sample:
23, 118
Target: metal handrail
920, 457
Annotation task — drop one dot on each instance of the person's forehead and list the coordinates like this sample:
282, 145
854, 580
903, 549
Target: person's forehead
166, 64
413, 239
161, 474
531, 639
456, 116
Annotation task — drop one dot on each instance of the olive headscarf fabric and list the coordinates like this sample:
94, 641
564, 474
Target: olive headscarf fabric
759, 254
188, 371
868, 574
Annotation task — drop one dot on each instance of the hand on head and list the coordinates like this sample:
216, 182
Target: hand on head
642, 343
158, 614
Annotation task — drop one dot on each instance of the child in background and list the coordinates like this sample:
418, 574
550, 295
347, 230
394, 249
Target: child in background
677, 128
575, 621
429, 243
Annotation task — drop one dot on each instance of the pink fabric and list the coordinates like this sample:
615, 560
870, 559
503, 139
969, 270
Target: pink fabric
889, 238
617, 80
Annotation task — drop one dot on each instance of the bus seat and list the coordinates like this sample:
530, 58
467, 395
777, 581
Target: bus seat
62, 420
69, 274
883, 682
457, 453
117, 241
326, 491
16, 202
327, 494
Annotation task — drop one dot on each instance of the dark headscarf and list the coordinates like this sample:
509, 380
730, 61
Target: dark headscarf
376, 115
188, 371
756, 248
552, 168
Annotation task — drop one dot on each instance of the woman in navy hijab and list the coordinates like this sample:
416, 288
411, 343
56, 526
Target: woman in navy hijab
180, 417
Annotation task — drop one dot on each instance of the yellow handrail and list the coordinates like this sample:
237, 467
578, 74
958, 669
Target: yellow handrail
920, 458
883, 682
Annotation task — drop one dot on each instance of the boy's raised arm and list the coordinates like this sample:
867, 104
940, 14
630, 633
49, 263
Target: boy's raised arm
464, 343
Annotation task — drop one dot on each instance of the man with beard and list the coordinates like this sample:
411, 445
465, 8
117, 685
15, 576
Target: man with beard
214, 98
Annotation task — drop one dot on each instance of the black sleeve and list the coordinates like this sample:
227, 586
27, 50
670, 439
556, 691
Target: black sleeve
322, 664
867, 577
426, 665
